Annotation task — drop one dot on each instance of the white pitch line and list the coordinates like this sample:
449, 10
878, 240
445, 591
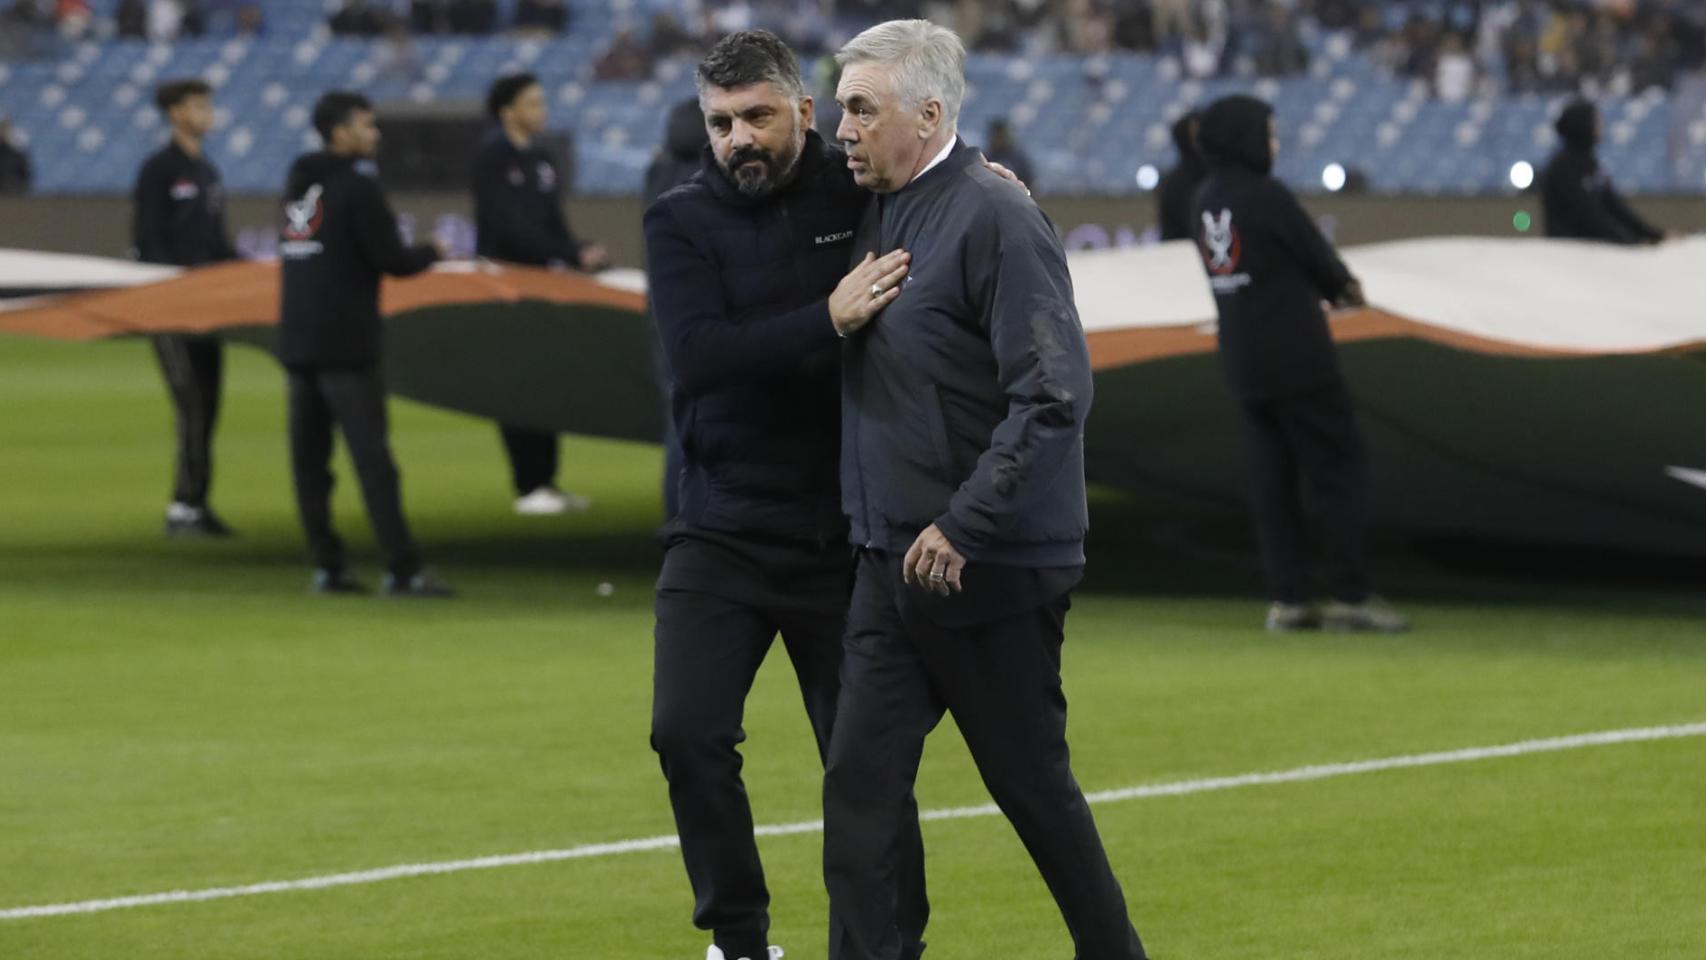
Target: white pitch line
620, 848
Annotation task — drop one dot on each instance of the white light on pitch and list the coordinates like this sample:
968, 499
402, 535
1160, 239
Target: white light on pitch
1522, 175
1148, 178
1333, 177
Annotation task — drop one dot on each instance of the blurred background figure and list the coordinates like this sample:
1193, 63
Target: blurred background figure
179, 204
15, 173
1001, 147
358, 18
546, 17
1270, 269
338, 239
518, 217
476, 17
1176, 195
680, 157
625, 59
1577, 196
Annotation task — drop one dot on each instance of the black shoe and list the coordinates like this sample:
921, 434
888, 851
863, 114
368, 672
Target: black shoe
190, 523
423, 585
334, 582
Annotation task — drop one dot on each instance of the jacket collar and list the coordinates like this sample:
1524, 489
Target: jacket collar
959, 158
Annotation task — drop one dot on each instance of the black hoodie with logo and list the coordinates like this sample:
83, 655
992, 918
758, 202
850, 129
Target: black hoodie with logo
1579, 201
337, 238
1268, 264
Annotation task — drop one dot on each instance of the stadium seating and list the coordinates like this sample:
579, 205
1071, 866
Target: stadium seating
1090, 125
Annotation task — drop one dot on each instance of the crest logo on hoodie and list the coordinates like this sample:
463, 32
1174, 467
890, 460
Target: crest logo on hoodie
302, 219
1222, 249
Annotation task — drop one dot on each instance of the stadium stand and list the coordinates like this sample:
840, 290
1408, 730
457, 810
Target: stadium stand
82, 107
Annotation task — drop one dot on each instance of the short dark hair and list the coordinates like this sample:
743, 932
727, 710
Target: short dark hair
334, 109
506, 89
173, 92
749, 57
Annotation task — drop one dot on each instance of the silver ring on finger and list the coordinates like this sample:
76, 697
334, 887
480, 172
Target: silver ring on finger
876, 290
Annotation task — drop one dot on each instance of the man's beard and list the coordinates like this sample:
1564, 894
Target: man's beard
757, 172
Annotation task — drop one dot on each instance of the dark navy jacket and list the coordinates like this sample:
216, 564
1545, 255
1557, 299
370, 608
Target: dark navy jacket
740, 290
965, 400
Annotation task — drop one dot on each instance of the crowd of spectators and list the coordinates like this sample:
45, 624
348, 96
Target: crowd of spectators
373, 18
1457, 47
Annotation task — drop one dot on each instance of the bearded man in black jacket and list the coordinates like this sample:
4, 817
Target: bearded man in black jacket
338, 240
749, 285
1270, 269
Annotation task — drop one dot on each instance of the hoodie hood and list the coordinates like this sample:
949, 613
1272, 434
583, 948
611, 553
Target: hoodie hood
1184, 142
1234, 133
314, 168
1578, 126
684, 131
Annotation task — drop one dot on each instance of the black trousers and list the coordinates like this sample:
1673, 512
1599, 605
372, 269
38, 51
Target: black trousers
354, 402
721, 603
990, 657
194, 368
533, 457
1306, 455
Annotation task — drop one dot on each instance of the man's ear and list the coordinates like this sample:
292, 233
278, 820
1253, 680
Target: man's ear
930, 117
808, 112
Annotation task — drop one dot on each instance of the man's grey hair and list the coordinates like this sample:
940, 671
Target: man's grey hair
923, 60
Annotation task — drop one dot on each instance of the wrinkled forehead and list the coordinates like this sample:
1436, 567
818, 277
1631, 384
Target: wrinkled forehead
863, 83
740, 101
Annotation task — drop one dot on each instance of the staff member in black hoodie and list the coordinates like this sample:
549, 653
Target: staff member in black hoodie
1576, 194
338, 239
1176, 197
962, 452
675, 162
180, 219
747, 263
518, 217
1270, 269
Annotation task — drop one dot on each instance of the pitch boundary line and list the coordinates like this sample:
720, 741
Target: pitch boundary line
623, 847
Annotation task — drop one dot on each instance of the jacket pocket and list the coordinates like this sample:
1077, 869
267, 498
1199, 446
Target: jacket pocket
936, 423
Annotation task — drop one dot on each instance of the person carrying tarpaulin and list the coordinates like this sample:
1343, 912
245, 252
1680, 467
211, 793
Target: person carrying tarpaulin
1270, 269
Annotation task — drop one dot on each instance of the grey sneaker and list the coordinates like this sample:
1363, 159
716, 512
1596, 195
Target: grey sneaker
1292, 617
1374, 615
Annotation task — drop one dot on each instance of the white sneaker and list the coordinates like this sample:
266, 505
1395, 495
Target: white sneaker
714, 953
549, 501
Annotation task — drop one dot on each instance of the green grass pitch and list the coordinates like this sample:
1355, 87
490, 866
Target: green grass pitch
179, 716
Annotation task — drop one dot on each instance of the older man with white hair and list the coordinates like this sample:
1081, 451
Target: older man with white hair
963, 409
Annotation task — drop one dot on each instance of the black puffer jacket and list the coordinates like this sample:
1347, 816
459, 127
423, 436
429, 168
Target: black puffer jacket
740, 289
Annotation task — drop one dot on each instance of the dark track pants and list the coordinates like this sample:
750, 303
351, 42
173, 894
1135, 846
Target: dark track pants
354, 402
720, 605
533, 456
1306, 455
992, 659
194, 368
